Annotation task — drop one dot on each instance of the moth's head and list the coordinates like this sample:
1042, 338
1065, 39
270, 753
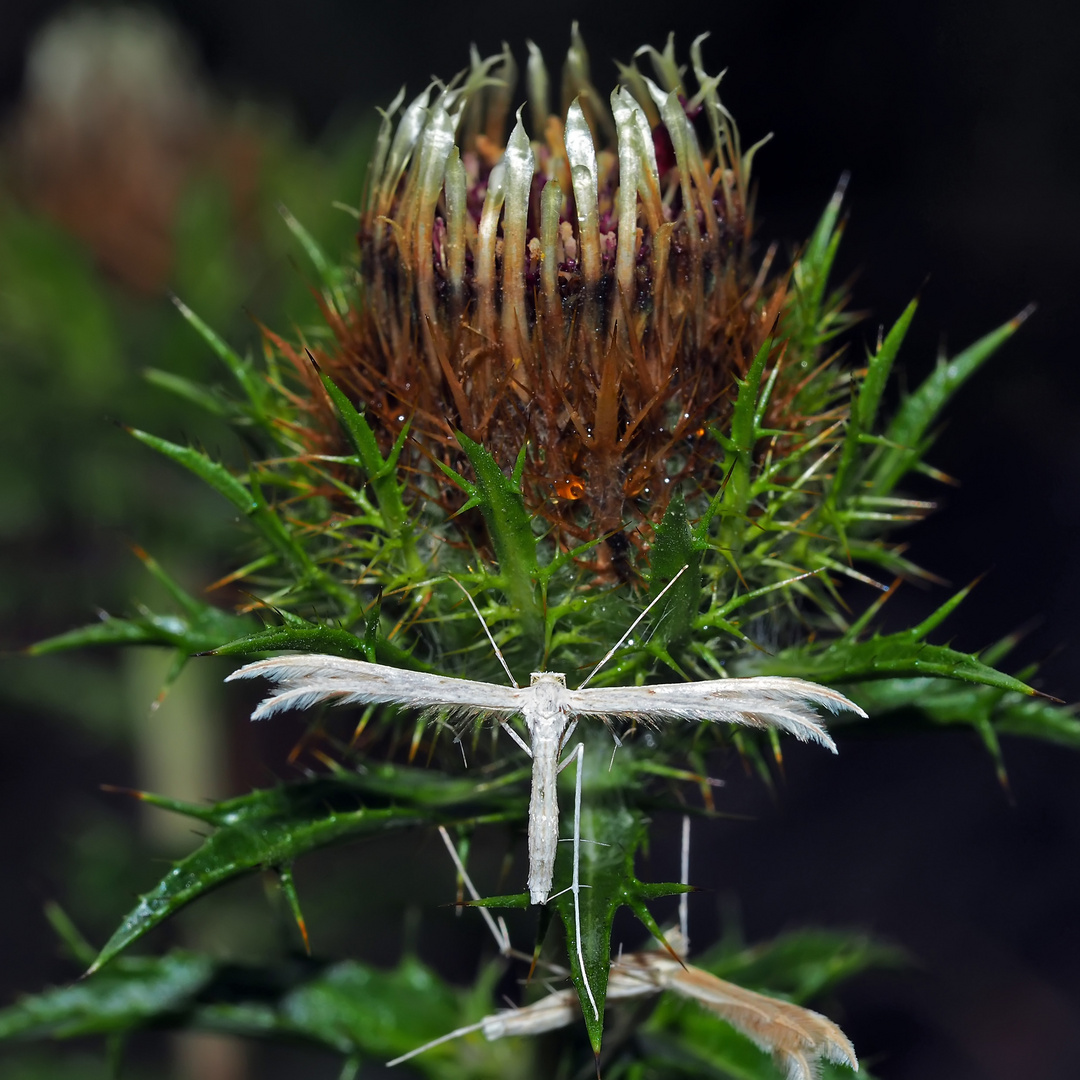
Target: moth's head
549, 677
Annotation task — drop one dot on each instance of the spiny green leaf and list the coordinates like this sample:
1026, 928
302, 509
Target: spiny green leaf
740, 456
248, 499
863, 414
149, 629
1038, 718
810, 275
307, 639
300, 635
112, 631
879, 367
380, 471
606, 869
942, 701
383, 1013
908, 428
903, 654
801, 964
272, 828
346, 1007
675, 546
500, 500
201, 628
882, 656
611, 833
332, 274
242, 370
211, 401
128, 996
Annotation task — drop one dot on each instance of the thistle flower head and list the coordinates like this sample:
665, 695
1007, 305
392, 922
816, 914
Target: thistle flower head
579, 286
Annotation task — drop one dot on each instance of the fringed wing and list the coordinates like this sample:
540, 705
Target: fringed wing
764, 701
305, 679
799, 1039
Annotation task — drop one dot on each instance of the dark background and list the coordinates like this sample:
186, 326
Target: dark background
958, 124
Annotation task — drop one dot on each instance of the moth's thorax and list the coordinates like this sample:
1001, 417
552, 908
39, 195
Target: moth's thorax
539, 677
548, 709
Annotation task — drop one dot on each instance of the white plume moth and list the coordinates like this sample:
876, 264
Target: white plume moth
551, 712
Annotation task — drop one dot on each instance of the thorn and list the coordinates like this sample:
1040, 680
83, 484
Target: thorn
303, 933
1049, 697
288, 887
778, 753
415, 744
672, 953
113, 789
1003, 780
1018, 320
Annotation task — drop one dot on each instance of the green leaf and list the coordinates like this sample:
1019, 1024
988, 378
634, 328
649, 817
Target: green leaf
903, 654
611, 832
942, 701
502, 504
250, 502
201, 628
739, 455
381, 472
133, 993
1038, 718
348, 1007
879, 367
863, 415
299, 635
908, 428
803, 964
242, 370
810, 276
311, 638
211, 401
272, 828
352, 1006
675, 546
883, 656
332, 275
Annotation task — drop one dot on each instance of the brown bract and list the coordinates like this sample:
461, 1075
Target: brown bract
584, 288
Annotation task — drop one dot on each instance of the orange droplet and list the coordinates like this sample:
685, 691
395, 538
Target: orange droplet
570, 488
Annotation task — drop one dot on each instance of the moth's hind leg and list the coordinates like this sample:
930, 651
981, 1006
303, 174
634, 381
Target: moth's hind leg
578, 753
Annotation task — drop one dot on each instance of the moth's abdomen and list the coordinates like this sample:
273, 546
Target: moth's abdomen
543, 818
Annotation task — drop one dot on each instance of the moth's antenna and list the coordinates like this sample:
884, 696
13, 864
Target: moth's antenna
498, 651
618, 644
